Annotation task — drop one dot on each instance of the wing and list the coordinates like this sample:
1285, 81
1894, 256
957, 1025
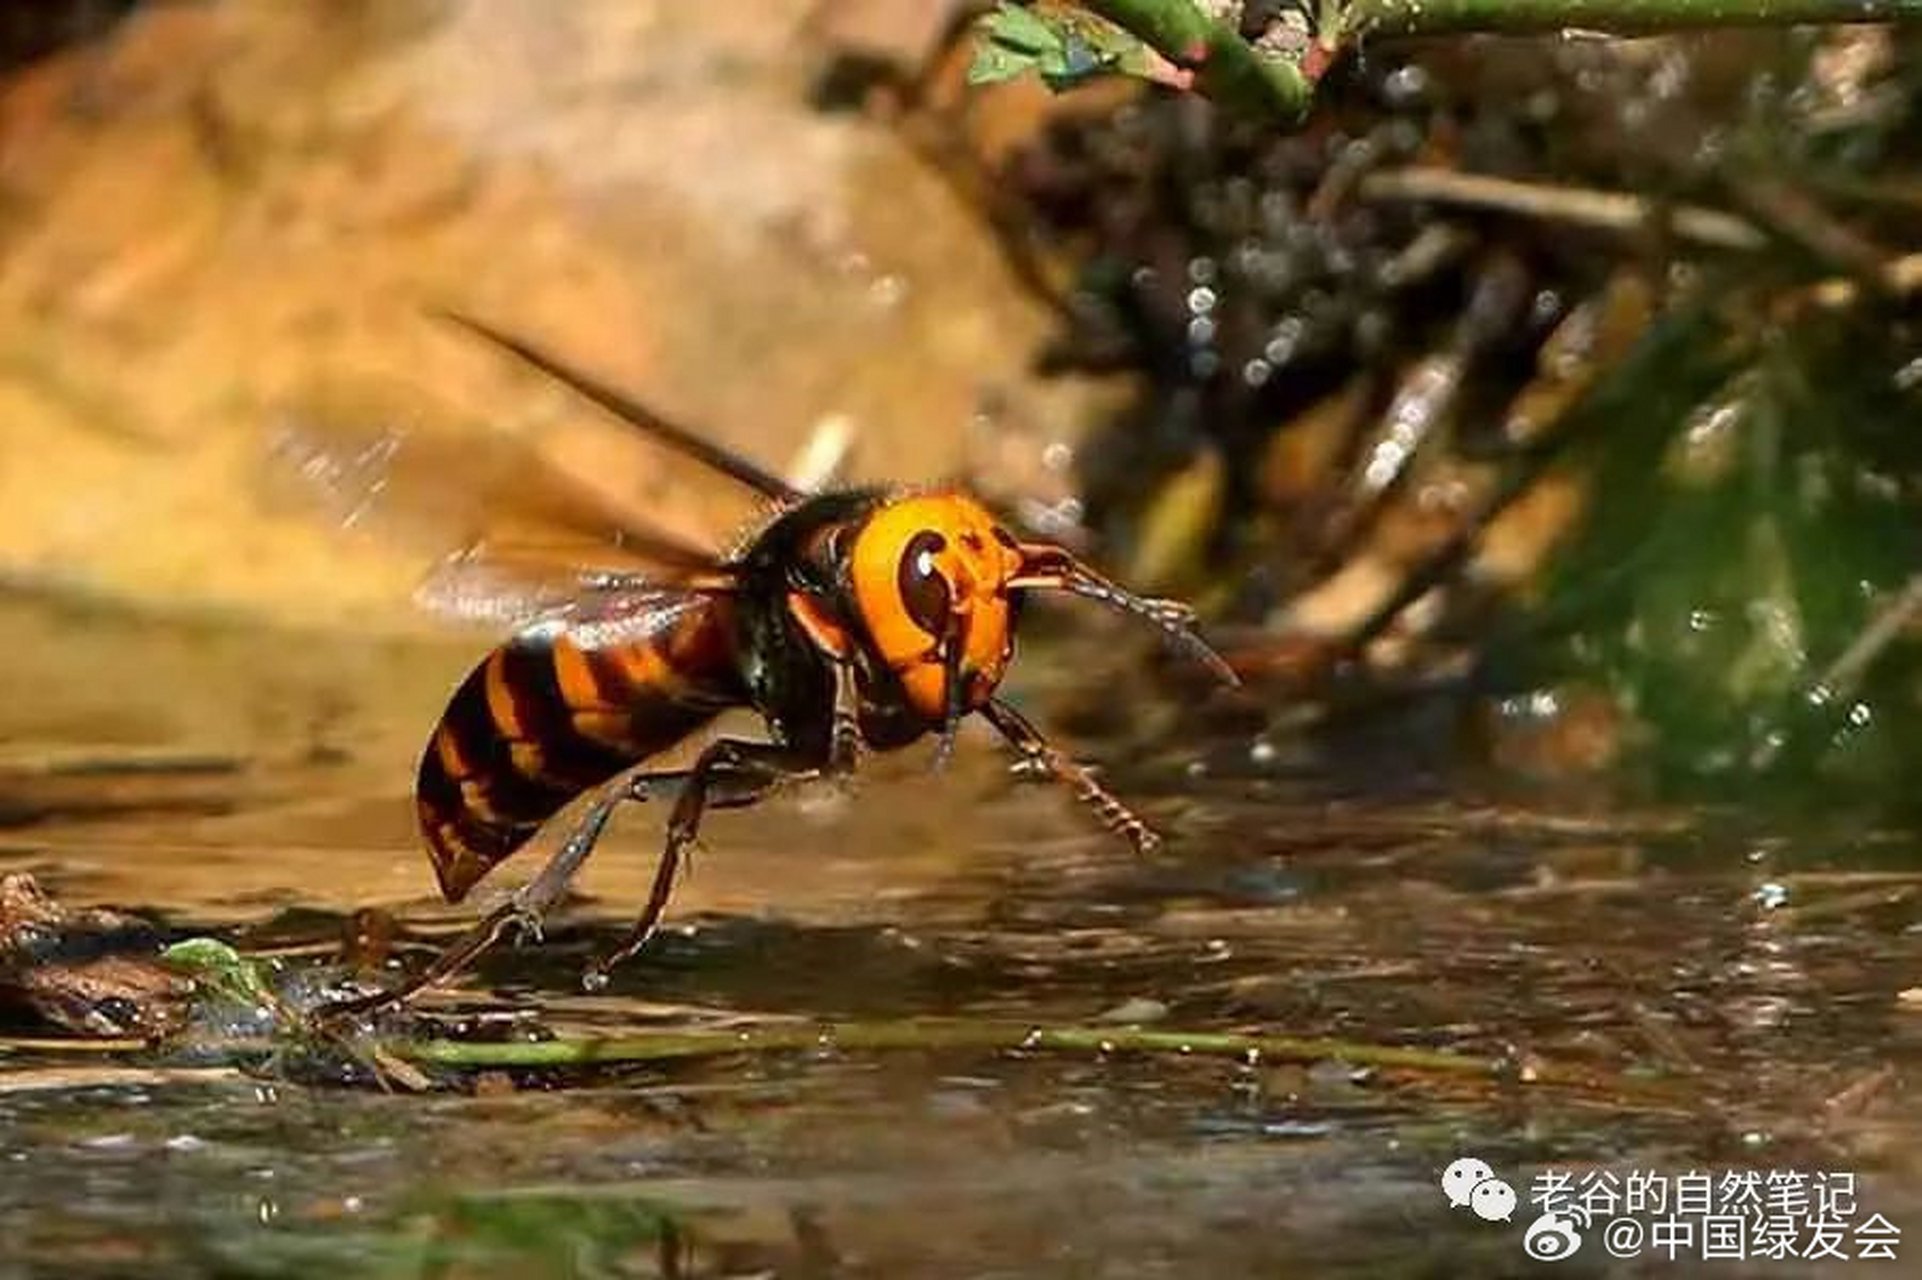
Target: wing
508, 588
513, 532
637, 415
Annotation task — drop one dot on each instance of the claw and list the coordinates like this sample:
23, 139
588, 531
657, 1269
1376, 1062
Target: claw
526, 924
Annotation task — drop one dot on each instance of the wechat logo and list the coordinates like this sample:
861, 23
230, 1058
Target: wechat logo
1471, 1183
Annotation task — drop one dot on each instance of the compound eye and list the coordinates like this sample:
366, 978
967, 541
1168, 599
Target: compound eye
924, 591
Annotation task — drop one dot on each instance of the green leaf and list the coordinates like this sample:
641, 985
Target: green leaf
994, 63
219, 969
1063, 48
1020, 29
1103, 40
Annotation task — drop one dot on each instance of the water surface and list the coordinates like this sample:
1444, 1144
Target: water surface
1739, 978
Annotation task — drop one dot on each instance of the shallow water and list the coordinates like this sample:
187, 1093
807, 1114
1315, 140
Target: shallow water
1726, 987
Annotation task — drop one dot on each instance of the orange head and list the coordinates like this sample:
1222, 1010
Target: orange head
932, 577
937, 581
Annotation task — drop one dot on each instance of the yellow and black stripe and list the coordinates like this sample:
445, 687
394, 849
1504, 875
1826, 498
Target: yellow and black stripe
544, 718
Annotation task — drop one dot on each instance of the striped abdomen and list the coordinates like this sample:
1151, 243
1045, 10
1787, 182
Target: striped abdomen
549, 715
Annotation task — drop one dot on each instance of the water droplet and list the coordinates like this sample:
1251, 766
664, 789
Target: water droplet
887, 292
593, 981
1283, 342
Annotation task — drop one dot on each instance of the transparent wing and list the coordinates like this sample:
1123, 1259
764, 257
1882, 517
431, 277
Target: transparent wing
615, 616
515, 523
505, 589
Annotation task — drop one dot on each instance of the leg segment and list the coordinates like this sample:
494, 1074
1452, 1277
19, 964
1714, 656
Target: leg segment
844, 742
1038, 751
730, 774
525, 909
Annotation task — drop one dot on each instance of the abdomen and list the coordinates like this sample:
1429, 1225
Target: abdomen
556, 711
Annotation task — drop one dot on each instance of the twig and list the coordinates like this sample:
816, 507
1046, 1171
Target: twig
1843, 674
1901, 277
1796, 216
1232, 69
864, 1037
1363, 18
853, 1037
1227, 67
1898, 277
924, 1036
66, 1044
1604, 210
56, 1079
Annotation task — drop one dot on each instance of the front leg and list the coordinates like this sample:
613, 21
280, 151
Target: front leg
1038, 751
844, 742
831, 640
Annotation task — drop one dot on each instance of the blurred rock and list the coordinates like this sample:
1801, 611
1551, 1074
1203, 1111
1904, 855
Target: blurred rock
88, 971
227, 205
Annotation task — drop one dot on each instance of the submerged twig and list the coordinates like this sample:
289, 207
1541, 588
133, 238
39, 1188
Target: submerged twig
868, 1037
1582, 206
1901, 277
1892, 620
860, 1037
58, 1079
73, 1044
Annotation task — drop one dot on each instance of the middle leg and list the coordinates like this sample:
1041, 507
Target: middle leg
731, 773
524, 910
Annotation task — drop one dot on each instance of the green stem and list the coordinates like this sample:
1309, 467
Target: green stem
1227, 68
859, 1037
1232, 71
922, 1036
1363, 18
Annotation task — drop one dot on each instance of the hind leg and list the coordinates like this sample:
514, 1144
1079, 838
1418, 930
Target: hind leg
524, 910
